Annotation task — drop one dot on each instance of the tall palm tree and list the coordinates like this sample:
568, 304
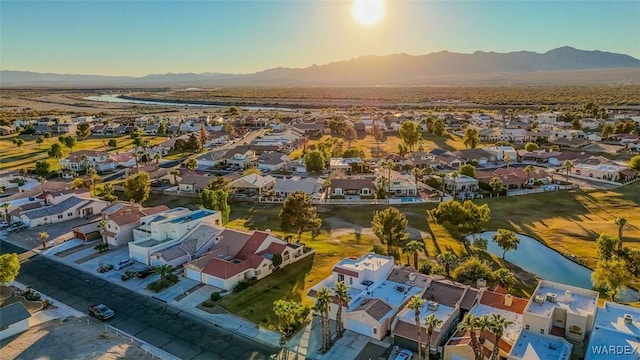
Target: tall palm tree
43, 236
496, 185
621, 222
157, 157
5, 207
102, 225
483, 323
415, 304
192, 164
163, 270
497, 326
448, 260
507, 160
85, 161
321, 308
469, 323
413, 247
92, 174
567, 165
341, 292
454, 175
175, 173
388, 164
529, 169
42, 181
431, 323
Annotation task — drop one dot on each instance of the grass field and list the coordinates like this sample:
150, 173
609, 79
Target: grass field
13, 157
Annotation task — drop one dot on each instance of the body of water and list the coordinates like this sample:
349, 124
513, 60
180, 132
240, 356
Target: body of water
116, 99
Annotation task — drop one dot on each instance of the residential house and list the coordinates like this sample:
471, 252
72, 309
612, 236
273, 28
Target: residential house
400, 184
68, 209
422, 160
515, 178
210, 159
500, 152
541, 157
162, 230
443, 298
193, 183
481, 156
224, 267
615, 334
7, 130
448, 159
120, 224
547, 118
310, 186
240, 156
352, 187
64, 128
589, 123
272, 161
14, 319
600, 168
81, 160
125, 159
343, 165
253, 183
491, 302
462, 185
532, 345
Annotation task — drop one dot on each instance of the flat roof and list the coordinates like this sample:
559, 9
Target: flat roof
192, 216
532, 346
610, 331
391, 292
443, 313
512, 331
579, 304
369, 261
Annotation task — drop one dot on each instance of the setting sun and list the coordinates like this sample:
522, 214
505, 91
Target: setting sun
367, 12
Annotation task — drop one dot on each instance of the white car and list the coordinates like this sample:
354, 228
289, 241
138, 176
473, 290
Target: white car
123, 264
404, 355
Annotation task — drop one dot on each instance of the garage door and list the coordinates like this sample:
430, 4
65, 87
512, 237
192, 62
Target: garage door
360, 328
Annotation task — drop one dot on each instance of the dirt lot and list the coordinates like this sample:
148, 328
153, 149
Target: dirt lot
73, 339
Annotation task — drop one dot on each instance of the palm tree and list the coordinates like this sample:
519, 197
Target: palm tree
388, 164
321, 308
454, 175
192, 164
163, 270
341, 292
85, 161
496, 185
43, 236
567, 165
102, 225
175, 173
621, 222
415, 304
529, 169
157, 157
92, 173
42, 181
5, 207
497, 325
447, 259
413, 247
482, 325
507, 160
470, 323
431, 323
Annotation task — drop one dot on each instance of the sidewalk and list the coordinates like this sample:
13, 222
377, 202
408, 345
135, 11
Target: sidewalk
42, 316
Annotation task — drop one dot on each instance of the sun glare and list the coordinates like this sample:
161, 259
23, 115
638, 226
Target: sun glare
367, 12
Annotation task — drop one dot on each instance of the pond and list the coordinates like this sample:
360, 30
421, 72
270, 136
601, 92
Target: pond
535, 257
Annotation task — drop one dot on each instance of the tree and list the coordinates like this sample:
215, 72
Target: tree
290, 314
321, 308
414, 247
350, 134
611, 275
389, 165
102, 225
43, 236
531, 146
415, 304
18, 142
108, 193
437, 127
607, 130
192, 164
9, 267
471, 138
39, 140
314, 161
634, 163
163, 270
299, 214
468, 170
507, 240
276, 260
465, 218
471, 269
204, 136
42, 180
216, 200
621, 222
606, 246
251, 170
5, 208
220, 183
504, 278
470, 323
353, 153
93, 177
83, 130
389, 227
55, 151
341, 292
137, 188
78, 183
42, 168
162, 128
448, 259
496, 185
507, 160
567, 165
431, 323
529, 169
497, 325
377, 134
410, 134
70, 142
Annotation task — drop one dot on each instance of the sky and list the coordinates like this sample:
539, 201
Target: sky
137, 38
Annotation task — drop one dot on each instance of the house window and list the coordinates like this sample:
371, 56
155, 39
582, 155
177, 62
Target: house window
69, 214
258, 272
60, 216
350, 281
541, 331
526, 327
340, 277
575, 330
375, 331
286, 256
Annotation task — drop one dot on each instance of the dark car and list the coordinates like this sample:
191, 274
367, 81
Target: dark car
144, 273
101, 312
127, 275
103, 268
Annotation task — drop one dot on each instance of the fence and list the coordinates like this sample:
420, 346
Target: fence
546, 188
148, 349
398, 201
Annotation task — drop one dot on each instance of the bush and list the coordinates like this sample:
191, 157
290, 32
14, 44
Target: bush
240, 286
251, 281
173, 278
208, 303
215, 296
426, 268
101, 247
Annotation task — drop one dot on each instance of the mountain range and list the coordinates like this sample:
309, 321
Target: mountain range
565, 65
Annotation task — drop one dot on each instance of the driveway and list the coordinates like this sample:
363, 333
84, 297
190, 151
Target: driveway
59, 232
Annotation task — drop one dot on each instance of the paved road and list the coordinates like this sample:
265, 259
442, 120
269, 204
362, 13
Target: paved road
172, 330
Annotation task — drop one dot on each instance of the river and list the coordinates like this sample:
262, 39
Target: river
117, 99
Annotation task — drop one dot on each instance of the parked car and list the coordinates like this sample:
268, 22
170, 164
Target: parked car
101, 312
404, 355
123, 264
144, 273
16, 227
103, 268
127, 275
4, 224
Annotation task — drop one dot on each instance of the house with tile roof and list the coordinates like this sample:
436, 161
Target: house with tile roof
272, 161
241, 156
352, 187
253, 183
237, 257
80, 160
68, 209
491, 302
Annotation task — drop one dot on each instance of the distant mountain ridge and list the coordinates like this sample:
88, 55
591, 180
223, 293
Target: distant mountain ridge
440, 68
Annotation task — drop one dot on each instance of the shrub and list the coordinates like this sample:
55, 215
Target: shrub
426, 268
208, 303
240, 286
251, 281
173, 278
215, 296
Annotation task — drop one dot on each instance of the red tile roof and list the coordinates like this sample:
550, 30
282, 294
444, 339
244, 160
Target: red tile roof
342, 271
224, 269
252, 245
496, 300
155, 210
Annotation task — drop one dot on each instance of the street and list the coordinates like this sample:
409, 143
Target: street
150, 320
